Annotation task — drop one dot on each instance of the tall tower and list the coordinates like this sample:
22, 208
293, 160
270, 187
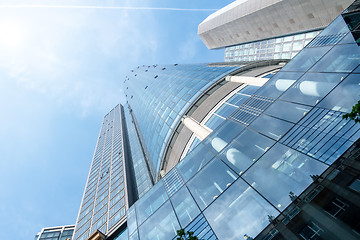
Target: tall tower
109, 188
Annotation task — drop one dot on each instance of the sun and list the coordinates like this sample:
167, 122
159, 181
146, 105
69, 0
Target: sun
12, 34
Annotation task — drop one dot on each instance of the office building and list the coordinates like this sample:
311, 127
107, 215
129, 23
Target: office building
56, 233
251, 150
259, 30
109, 190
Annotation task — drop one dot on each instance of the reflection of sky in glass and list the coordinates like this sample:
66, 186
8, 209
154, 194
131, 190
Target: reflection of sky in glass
160, 226
281, 171
239, 211
159, 95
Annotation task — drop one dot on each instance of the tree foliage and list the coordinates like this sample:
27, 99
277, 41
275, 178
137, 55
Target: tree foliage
185, 236
354, 114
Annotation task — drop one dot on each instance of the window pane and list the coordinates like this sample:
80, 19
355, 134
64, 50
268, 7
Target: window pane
278, 84
312, 87
150, 202
214, 121
245, 149
206, 189
185, 206
239, 211
237, 99
225, 110
218, 139
271, 127
131, 219
288, 111
194, 161
122, 236
305, 59
342, 58
160, 226
344, 96
281, 171
355, 185
249, 90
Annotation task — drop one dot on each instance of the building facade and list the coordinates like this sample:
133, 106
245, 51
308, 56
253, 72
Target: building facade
108, 190
56, 233
270, 139
267, 152
259, 30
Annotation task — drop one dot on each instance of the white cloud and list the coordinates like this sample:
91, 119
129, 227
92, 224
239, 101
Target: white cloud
76, 57
189, 48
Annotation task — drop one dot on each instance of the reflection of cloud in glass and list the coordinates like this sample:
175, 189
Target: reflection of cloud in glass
280, 171
239, 211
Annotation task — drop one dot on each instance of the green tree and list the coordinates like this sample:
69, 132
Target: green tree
354, 114
186, 236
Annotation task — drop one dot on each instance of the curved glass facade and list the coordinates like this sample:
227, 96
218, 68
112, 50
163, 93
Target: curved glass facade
159, 96
265, 153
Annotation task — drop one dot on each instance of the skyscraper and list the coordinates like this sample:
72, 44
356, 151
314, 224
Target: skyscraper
56, 233
265, 135
104, 203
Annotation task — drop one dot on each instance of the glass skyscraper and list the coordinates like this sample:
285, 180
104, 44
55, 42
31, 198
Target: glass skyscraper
56, 233
104, 203
266, 134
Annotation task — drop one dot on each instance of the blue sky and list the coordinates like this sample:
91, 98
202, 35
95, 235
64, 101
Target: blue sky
61, 71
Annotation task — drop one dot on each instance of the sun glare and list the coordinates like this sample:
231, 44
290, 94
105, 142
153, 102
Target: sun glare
12, 35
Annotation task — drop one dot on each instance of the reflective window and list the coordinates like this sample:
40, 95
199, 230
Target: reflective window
134, 236
305, 59
288, 111
214, 121
278, 84
239, 211
311, 231
271, 127
344, 96
238, 99
245, 149
150, 202
312, 87
206, 189
282, 171
342, 58
194, 161
185, 206
249, 90
337, 26
223, 135
225, 110
355, 185
131, 219
162, 225
122, 236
